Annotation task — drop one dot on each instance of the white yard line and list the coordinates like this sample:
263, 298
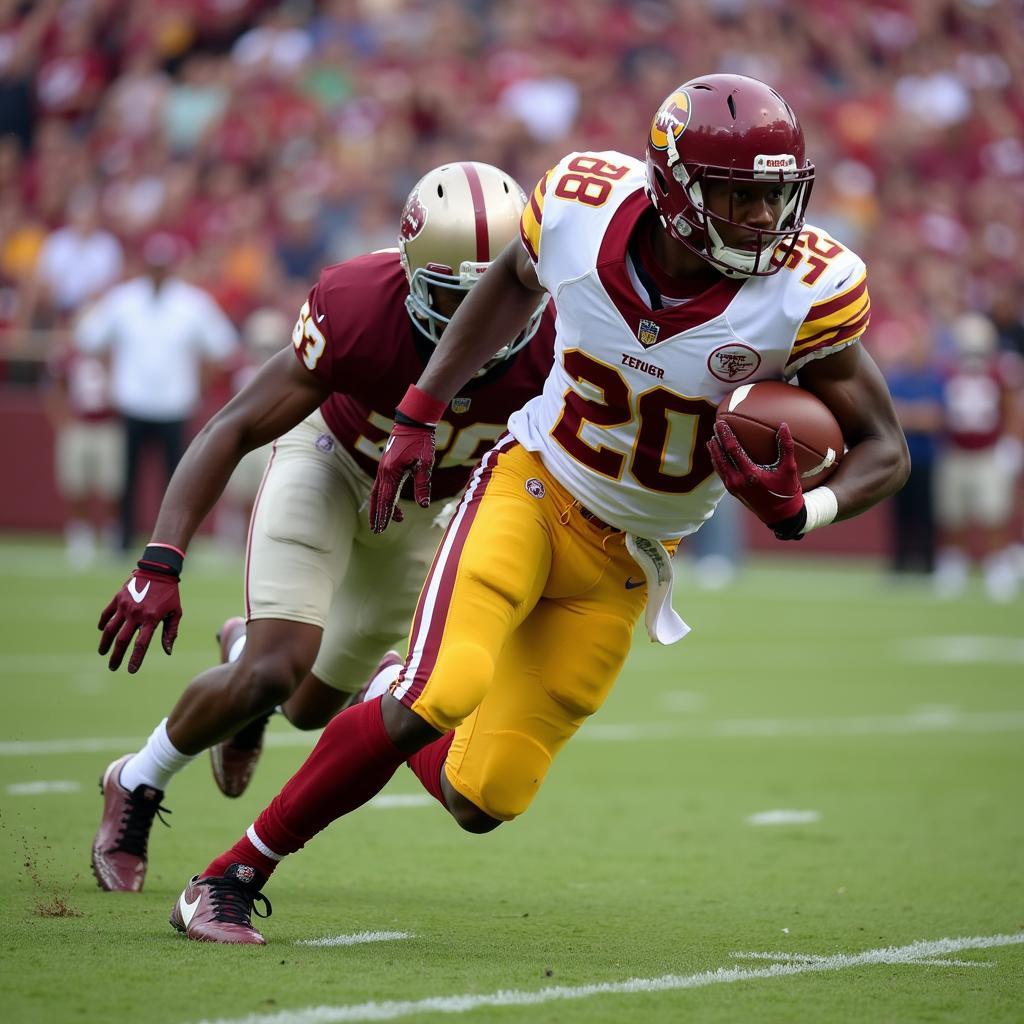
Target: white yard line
784, 817
387, 801
35, 788
960, 650
932, 719
355, 940
786, 964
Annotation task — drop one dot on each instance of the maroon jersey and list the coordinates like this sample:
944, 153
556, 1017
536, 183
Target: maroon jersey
975, 400
87, 384
355, 335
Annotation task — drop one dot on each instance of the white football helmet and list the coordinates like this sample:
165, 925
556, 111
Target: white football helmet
455, 222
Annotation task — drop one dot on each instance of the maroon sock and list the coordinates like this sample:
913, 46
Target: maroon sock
352, 762
428, 763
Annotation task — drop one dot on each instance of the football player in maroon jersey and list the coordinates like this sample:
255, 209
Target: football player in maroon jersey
979, 460
325, 597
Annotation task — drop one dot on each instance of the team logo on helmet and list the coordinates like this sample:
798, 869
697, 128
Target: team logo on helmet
732, 363
673, 117
414, 217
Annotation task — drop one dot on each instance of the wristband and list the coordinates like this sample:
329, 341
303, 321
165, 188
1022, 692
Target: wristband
421, 407
162, 558
822, 508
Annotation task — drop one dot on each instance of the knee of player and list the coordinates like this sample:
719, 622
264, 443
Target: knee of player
469, 817
268, 680
306, 718
513, 771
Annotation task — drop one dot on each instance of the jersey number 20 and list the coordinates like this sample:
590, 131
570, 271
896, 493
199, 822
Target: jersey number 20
654, 410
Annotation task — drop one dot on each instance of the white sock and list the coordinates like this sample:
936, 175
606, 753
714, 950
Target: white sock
156, 763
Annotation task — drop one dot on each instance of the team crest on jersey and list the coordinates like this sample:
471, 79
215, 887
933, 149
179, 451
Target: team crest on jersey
647, 333
535, 487
673, 117
461, 404
414, 216
733, 363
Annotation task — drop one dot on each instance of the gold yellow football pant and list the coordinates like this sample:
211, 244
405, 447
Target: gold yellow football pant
521, 628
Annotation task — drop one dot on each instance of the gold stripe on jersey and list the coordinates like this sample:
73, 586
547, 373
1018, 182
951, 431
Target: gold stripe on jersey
533, 214
833, 315
839, 337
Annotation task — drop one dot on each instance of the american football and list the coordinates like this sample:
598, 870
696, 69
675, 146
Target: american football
754, 411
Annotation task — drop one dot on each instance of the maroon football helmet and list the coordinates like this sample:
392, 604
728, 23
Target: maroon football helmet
727, 128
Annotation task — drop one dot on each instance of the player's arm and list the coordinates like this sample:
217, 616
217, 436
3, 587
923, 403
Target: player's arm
876, 465
494, 312
877, 462
281, 395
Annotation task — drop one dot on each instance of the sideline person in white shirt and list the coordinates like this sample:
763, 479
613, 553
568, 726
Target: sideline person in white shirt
159, 334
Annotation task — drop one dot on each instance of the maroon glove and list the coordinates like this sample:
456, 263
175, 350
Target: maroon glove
409, 452
773, 493
149, 597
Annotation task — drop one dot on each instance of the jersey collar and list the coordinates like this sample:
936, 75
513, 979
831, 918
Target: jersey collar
613, 275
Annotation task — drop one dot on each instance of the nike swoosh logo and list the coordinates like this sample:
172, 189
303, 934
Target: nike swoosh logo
188, 910
632, 584
320, 318
138, 596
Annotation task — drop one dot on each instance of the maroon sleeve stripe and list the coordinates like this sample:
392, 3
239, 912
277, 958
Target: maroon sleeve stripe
811, 341
823, 309
536, 207
527, 243
843, 334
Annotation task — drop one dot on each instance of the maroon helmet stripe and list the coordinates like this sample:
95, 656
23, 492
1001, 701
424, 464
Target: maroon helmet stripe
476, 190
442, 575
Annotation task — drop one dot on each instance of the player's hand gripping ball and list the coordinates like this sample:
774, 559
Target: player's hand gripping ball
754, 412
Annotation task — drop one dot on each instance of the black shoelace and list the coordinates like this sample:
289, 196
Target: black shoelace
233, 903
136, 823
250, 737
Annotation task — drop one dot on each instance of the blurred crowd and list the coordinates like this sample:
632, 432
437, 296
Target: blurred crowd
268, 138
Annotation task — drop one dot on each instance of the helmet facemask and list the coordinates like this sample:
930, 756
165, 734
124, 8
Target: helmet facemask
457, 212
430, 322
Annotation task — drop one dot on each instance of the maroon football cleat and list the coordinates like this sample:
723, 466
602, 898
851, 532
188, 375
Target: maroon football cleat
233, 760
219, 908
119, 849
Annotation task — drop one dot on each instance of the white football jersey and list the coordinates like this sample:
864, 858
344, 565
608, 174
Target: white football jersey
629, 405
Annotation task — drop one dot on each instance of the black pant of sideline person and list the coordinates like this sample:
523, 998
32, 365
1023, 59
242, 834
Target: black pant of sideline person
913, 522
169, 437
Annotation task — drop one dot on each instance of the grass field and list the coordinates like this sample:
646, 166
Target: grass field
892, 722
